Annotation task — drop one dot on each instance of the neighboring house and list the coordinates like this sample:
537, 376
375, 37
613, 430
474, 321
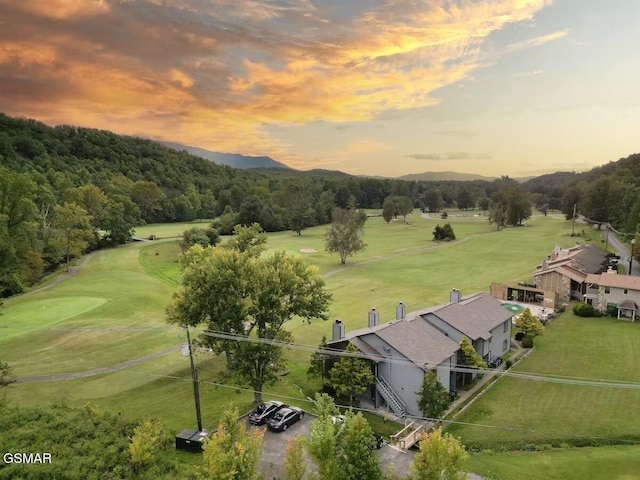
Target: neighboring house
401, 351
565, 270
612, 291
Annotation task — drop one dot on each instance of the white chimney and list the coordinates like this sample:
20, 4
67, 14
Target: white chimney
374, 317
338, 330
455, 296
401, 311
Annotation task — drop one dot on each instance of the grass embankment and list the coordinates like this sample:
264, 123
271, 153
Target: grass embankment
537, 412
604, 463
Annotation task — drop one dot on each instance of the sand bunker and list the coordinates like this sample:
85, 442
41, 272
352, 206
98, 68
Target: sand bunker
308, 250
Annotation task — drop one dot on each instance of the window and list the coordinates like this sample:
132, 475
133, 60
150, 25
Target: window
607, 290
504, 345
626, 291
505, 326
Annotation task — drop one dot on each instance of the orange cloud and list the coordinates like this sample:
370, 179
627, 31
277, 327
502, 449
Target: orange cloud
214, 74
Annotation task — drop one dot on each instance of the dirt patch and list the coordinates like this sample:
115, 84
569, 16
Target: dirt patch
308, 250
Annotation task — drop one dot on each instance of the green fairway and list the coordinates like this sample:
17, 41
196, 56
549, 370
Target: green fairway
111, 292
543, 412
168, 230
602, 463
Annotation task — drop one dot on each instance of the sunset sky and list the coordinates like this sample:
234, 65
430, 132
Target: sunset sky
387, 87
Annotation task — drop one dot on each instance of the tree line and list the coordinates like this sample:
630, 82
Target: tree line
65, 190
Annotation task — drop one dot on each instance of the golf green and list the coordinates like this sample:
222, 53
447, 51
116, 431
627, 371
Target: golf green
44, 313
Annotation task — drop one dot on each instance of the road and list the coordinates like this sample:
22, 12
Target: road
623, 251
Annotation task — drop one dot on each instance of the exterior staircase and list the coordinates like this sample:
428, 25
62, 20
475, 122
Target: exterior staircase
390, 397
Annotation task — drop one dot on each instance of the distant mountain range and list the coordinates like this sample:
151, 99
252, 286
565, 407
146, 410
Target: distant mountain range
444, 176
452, 176
237, 160
234, 160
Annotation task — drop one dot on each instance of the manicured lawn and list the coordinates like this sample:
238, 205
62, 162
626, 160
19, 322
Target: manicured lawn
601, 463
542, 412
111, 291
168, 230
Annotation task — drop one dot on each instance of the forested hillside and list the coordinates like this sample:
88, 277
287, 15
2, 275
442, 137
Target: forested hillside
65, 190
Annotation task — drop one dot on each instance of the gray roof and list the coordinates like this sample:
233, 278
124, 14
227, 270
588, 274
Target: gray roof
628, 304
419, 342
591, 259
414, 338
475, 315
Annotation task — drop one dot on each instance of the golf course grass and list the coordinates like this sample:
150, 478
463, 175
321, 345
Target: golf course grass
620, 462
544, 412
115, 306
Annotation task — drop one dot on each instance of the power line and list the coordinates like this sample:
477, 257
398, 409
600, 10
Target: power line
455, 368
545, 377
373, 411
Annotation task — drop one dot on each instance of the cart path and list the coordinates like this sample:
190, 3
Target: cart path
99, 371
61, 277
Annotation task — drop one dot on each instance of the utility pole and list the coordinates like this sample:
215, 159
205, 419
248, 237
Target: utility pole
196, 384
606, 242
633, 244
573, 227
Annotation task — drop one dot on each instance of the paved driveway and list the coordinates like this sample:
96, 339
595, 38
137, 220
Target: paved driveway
274, 447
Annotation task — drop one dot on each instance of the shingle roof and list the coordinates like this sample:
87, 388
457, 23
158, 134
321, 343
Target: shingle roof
475, 316
614, 280
419, 341
629, 305
413, 337
582, 258
590, 259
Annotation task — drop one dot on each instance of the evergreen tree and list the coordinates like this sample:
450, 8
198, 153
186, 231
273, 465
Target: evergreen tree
351, 376
433, 398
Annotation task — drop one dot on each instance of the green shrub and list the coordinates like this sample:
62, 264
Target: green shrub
583, 310
543, 446
527, 342
508, 364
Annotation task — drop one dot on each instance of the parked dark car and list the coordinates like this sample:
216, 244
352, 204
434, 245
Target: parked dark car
284, 418
613, 255
265, 411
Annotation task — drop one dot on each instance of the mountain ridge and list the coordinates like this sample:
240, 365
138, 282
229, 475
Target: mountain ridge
235, 160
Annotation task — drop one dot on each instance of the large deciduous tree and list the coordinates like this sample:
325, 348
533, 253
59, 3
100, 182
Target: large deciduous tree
441, 457
148, 197
74, 227
351, 376
235, 291
345, 234
232, 453
433, 399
